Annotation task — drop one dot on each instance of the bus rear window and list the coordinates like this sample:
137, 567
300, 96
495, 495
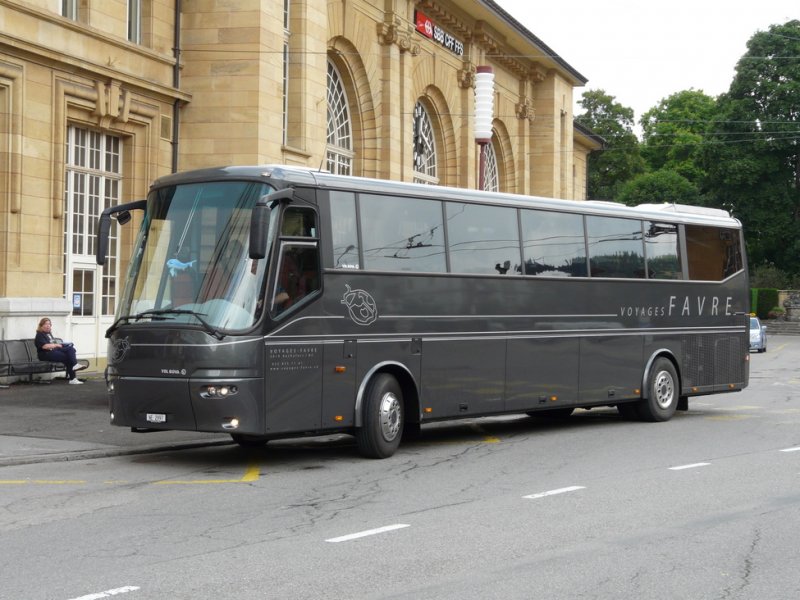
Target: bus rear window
713, 253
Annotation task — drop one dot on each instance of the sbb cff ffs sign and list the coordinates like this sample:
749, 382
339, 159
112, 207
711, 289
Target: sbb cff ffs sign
432, 31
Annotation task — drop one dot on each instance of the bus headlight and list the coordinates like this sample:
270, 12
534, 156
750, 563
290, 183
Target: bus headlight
230, 424
217, 392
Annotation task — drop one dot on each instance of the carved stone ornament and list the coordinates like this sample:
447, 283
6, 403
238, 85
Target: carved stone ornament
390, 33
387, 33
466, 76
525, 109
113, 102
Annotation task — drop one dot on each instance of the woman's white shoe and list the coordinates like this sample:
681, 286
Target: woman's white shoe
75, 381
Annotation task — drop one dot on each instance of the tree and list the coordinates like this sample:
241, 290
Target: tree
657, 187
753, 155
620, 160
673, 133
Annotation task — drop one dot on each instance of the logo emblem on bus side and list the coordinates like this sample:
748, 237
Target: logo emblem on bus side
361, 306
121, 347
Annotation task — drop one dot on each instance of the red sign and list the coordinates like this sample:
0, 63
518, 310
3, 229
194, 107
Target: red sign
424, 24
432, 31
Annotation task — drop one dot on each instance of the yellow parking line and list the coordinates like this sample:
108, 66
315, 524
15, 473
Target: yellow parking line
489, 439
41, 481
252, 473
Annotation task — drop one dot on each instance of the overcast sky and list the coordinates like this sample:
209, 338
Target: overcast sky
641, 51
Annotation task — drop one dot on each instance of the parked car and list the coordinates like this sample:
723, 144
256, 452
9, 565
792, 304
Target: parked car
758, 335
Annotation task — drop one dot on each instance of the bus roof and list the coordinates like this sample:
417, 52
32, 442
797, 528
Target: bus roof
291, 175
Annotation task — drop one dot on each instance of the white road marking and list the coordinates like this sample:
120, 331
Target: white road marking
795, 449
691, 466
108, 593
361, 534
572, 488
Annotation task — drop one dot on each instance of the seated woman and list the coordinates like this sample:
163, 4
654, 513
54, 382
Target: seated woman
48, 349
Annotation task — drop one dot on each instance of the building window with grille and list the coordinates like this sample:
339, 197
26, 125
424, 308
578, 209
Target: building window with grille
491, 177
424, 147
93, 183
339, 151
135, 21
285, 75
69, 9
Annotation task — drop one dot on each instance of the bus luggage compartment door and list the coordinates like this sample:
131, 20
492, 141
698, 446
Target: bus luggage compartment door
542, 373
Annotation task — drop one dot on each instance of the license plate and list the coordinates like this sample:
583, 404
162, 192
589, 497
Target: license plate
156, 418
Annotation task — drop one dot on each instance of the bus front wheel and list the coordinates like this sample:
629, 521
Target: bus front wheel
382, 428
663, 389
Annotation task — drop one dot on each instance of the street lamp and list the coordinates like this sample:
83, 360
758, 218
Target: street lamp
484, 109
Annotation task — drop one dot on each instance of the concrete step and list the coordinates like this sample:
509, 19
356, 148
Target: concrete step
778, 327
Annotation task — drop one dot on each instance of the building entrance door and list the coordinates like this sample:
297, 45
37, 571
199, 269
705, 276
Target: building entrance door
93, 183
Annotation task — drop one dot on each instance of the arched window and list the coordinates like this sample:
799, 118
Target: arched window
491, 178
424, 147
339, 152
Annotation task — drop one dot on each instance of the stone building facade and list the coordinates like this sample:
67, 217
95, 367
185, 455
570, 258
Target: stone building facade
97, 99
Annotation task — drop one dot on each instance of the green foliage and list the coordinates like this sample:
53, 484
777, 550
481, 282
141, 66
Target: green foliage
661, 186
740, 152
776, 312
674, 131
620, 160
752, 158
769, 276
766, 298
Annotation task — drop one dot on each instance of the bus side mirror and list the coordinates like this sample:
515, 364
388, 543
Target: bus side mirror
104, 225
259, 221
259, 228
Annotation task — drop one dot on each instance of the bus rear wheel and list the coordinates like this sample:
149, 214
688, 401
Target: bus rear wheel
382, 428
663, 389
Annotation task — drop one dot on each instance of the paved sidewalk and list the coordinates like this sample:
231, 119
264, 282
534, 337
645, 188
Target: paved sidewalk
55, 422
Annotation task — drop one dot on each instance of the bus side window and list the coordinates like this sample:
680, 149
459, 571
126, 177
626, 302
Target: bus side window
616, 247
299, 222
344, 231
298, 275
663, 251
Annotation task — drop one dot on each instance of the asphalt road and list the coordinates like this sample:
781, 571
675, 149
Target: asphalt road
704, 506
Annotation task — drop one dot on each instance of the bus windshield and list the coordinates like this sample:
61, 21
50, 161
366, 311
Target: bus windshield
190, 262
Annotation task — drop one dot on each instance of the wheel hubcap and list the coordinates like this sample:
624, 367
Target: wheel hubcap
664, 389
390, 416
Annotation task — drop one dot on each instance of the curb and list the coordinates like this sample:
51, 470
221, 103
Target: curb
106, 453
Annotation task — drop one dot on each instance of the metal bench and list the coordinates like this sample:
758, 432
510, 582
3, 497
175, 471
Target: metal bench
18, 358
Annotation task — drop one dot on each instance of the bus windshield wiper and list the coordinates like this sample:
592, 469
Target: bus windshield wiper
158, 315
128, 318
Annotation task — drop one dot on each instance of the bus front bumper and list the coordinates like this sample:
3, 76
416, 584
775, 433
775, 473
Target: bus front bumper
187, 404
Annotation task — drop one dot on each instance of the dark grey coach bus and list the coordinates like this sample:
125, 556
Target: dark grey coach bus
271, 302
